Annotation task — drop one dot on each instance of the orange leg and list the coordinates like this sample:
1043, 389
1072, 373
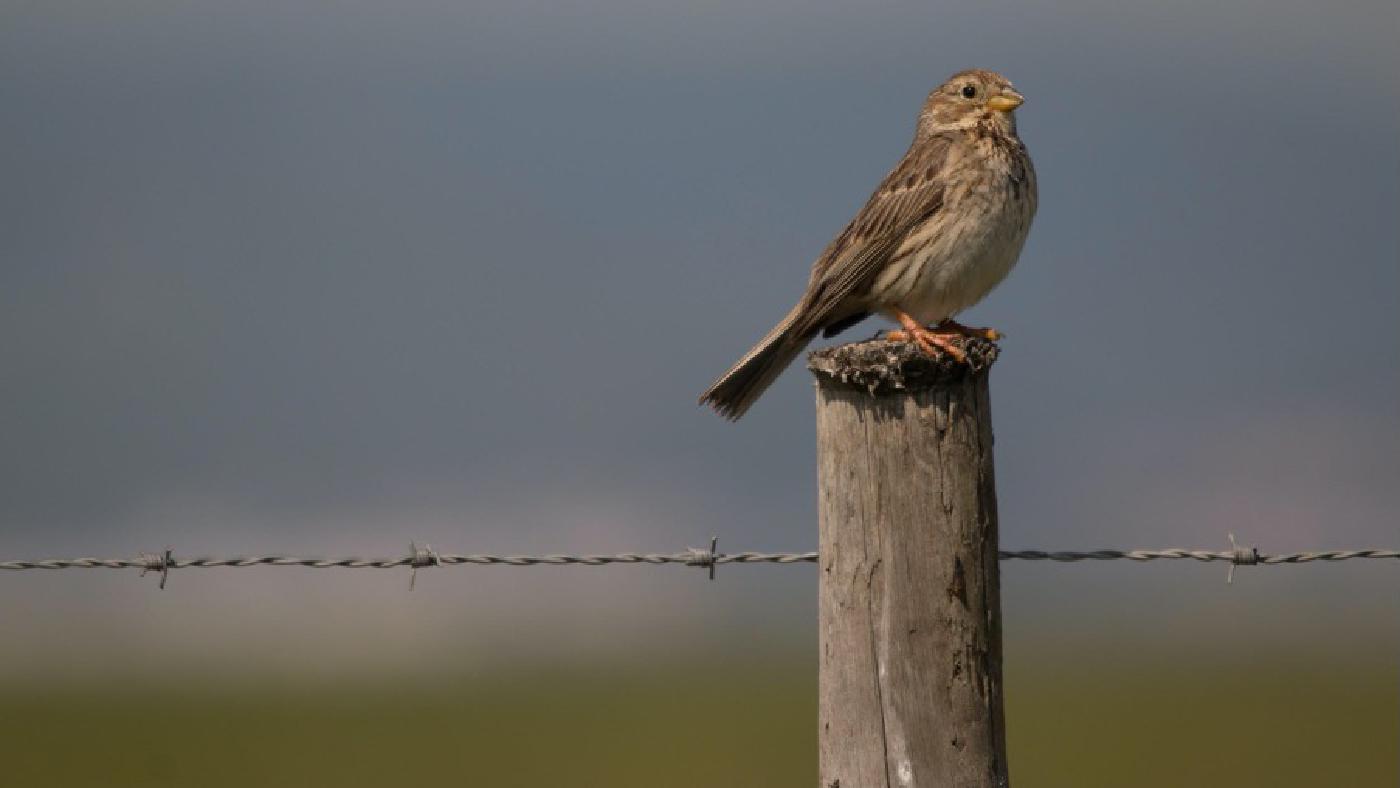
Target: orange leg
952, 326
929, 340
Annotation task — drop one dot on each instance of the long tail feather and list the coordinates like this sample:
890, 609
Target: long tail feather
738, 388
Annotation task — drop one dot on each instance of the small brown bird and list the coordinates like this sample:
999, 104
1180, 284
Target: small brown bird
943, 229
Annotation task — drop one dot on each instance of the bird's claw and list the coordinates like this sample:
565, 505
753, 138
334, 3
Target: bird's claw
931, 342
952, 326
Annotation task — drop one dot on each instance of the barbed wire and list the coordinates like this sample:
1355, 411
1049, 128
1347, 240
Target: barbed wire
424, 557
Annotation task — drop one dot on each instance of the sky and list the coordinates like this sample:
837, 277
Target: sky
329, 278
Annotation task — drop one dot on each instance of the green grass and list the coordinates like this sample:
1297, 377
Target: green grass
725, 724
1169, 724
613, 728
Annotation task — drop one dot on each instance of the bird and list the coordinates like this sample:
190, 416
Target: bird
943, 229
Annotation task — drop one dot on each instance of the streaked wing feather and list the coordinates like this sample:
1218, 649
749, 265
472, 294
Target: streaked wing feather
910, 194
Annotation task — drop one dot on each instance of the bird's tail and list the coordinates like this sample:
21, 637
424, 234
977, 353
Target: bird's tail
737, 389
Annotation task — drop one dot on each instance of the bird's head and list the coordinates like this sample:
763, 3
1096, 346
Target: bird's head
969, 99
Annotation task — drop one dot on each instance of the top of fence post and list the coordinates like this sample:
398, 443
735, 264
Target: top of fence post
878, 366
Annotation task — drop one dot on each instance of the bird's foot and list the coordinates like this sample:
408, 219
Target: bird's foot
952, 326
930, 341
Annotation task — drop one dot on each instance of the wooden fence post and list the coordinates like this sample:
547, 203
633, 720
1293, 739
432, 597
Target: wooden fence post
910, 621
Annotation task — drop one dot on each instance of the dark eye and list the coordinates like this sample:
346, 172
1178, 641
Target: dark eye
969, 91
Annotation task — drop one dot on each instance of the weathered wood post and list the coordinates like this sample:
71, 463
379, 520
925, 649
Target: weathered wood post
910, 621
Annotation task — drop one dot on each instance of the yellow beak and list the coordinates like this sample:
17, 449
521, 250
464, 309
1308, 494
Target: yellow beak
1006, 101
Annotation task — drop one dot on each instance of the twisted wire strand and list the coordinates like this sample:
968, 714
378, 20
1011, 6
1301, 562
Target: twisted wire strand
692, 557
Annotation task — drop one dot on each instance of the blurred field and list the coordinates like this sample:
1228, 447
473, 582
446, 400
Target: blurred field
722, 723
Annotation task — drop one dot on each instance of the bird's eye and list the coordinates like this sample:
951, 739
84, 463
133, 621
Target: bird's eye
969, 91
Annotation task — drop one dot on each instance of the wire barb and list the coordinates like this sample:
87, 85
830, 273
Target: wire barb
1240, 556
700, 557
419, 558
157, 562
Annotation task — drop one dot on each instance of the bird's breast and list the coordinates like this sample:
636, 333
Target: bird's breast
954, 259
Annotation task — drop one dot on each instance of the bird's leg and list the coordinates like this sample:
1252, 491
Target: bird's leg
928, 340
951, 326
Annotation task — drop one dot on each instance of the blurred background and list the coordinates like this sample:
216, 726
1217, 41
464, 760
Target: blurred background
331, 277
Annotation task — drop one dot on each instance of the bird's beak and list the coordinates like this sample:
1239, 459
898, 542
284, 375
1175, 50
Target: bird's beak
1006, 101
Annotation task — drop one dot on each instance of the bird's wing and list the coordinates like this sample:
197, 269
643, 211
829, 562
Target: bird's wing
910, 194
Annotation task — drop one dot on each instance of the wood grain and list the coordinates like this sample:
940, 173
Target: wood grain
910, 617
